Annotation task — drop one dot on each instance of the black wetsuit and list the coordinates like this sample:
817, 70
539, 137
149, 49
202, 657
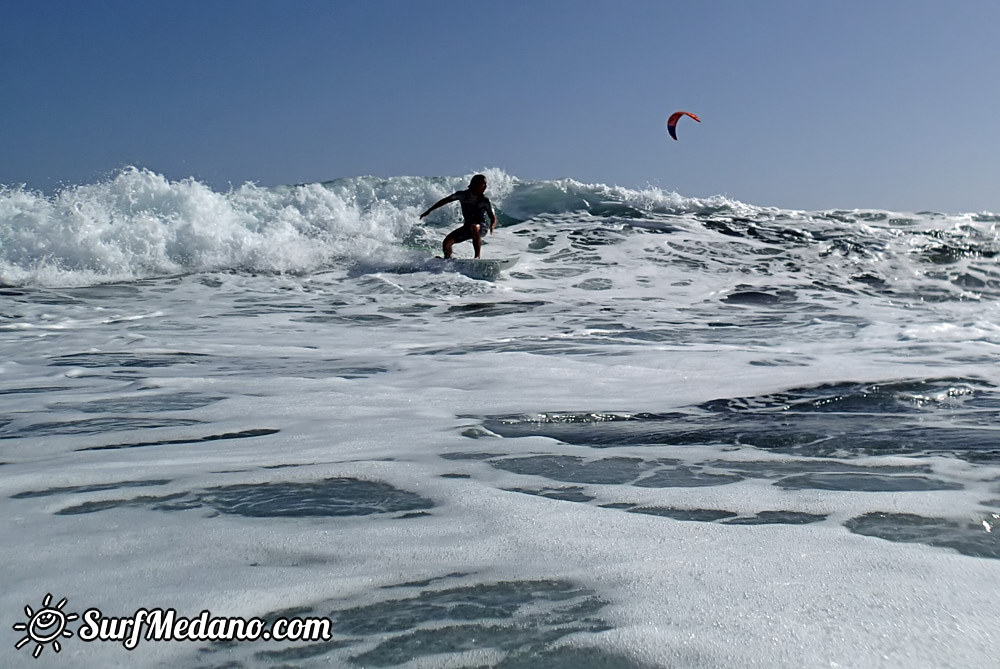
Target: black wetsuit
475, 209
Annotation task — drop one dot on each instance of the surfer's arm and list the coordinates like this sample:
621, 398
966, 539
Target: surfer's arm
440, 203
493, 218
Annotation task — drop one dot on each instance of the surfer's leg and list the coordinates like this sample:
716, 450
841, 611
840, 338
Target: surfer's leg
449, 241
456, 237
477, 241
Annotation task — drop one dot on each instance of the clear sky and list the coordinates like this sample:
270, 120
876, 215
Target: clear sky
804, 104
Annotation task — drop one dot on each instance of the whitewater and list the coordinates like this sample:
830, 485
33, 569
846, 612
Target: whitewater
679, 432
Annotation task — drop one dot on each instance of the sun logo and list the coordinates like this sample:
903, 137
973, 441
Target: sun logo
46, 625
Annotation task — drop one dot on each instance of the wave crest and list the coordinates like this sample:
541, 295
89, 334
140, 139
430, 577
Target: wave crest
138, 224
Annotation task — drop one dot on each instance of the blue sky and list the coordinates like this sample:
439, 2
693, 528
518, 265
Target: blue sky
804, 104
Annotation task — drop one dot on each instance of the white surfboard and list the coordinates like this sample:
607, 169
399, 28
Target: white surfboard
481, 268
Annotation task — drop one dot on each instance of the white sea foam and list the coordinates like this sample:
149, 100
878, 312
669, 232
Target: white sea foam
582, 455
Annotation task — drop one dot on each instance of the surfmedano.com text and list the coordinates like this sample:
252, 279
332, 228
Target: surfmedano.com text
166, 625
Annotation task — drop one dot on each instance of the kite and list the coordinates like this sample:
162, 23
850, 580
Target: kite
672, 121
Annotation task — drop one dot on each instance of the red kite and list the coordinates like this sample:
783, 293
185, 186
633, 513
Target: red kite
672, 121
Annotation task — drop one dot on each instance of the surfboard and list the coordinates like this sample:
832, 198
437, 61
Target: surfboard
481, 268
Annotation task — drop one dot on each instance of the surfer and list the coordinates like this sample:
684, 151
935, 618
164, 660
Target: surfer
476, 207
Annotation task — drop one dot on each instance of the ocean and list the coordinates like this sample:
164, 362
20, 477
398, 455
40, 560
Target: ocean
679, 432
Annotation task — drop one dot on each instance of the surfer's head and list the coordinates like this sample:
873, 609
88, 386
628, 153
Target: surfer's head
477, 184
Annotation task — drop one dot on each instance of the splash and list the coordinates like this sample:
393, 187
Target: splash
139, 224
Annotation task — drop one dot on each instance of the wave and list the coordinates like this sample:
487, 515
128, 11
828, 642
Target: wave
138, 224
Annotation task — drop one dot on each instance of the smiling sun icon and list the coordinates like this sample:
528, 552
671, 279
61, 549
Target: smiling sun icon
46, 625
